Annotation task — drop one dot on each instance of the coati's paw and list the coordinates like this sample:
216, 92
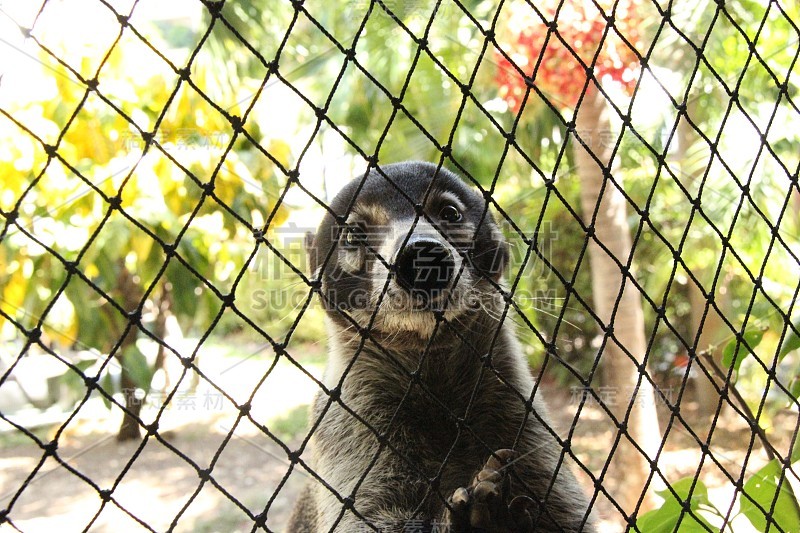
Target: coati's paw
484, 506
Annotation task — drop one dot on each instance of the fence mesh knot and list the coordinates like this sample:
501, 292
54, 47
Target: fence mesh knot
163, 166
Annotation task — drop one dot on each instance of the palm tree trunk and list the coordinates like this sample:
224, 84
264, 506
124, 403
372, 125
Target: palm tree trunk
629, 468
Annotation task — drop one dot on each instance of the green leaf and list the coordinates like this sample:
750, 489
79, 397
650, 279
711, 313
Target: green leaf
682, 488
794, 388
74, 378
734, 352
795, 457
184, 283
665, 519
791, 342
762, 488
138, 369
107, 384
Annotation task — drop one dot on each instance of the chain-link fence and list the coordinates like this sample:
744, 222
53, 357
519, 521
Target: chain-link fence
625, 224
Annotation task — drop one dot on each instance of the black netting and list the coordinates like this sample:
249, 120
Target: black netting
639, 157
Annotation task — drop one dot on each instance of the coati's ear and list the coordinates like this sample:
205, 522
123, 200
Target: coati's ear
311, 253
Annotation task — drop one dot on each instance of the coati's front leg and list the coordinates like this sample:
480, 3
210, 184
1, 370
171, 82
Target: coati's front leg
484, 506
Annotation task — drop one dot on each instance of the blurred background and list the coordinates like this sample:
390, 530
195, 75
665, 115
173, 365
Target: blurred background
161, 156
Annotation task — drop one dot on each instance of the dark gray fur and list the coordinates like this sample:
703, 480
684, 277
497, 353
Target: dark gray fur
414, 419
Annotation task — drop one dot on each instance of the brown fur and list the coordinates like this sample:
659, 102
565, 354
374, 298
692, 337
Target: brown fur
387, 435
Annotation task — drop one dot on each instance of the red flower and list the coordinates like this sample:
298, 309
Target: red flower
578, 31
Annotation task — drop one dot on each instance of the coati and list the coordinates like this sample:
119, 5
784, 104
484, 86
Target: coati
428, 423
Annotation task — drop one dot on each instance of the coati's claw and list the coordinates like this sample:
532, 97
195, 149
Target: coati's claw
519, 508
484, 505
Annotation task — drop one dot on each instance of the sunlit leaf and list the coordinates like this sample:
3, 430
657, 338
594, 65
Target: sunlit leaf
795, 457
14, 293
281, 151
138, 369
107, 384
762, 489
74, 378
280, 217
735, 351
671, 517
791, 342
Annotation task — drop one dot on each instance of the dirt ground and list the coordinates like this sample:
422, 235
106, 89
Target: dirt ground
156, 488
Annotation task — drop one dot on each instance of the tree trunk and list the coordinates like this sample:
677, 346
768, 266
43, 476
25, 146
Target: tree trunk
163, 309
131, 297
628, 469
711, 329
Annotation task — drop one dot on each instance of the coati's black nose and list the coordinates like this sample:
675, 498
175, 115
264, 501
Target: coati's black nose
424, 267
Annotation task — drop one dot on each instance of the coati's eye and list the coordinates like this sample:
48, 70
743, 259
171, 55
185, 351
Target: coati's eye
354, 236
450, 213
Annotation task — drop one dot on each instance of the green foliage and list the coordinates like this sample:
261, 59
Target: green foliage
680, 510
107, 384
363, 111
72, 380
189, 192
765, 490
735, 351
107, 151
791, 342
768, 491
140, 371
65, 214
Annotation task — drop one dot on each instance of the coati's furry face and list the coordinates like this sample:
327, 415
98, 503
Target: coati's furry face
402, 253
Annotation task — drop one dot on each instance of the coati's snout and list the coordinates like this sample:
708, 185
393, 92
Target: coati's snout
403, 243
425, 267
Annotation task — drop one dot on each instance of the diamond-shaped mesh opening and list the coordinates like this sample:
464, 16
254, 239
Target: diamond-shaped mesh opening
173, 359
93, 39
172, 39
53, 471
117, 84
